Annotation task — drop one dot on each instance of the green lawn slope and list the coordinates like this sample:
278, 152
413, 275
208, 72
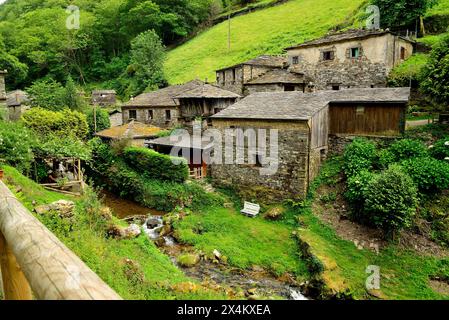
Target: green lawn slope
266, 31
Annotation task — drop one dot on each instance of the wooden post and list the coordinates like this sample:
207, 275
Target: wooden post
15, 285
52, 270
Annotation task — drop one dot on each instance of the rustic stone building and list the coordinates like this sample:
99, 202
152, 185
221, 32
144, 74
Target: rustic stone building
116, 118
304, 122
3, 108
236, 77
277, 80
178, 105
350, 59
17, 102
104, 98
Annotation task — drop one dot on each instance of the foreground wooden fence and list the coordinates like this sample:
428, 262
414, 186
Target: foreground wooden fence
34, 263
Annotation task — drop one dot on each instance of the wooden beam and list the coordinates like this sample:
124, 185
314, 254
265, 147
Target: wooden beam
15, 284
52, 270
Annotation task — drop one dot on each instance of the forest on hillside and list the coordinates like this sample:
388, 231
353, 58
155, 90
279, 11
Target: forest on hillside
35, 42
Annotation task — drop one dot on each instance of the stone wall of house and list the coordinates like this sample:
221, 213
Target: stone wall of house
290, 180
227, 81
116, 119
276, 87
159, 116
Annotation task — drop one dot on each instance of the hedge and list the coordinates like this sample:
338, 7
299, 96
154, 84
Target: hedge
154, 165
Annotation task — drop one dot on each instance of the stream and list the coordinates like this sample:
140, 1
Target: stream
264, 283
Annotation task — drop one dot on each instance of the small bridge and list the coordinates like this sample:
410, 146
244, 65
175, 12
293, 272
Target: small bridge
35, 264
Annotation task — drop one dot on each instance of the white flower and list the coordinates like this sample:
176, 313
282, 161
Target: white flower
431, 147
447, 158
446, 143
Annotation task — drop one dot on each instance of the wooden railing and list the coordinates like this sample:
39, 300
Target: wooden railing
35, 264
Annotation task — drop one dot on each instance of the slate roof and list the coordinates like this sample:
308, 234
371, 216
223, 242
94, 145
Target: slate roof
302, 106
133, 130
264, 60
163, 97
347, 35
16, 98
207, 91
278, 76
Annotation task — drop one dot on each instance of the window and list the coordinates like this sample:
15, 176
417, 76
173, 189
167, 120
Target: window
132, 114
328, 55
355, 53
289, 88
233, 75
150, 115
295, 60
216, 110
360, 111
167, 115
335, 87
403, 51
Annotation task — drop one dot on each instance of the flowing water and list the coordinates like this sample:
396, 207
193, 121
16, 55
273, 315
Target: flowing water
237, 279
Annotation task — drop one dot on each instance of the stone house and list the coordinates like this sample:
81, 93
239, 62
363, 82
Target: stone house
235, 78
3, 107
104, 98
178, 105
116, 118
277, 80
304, 124
135, 131
351, 59
17, 102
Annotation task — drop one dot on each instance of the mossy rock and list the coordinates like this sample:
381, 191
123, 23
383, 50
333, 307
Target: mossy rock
274, 213
188, 260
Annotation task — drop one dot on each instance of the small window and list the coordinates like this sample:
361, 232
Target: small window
233, 75
289, 88
216, 110
403, 51
360, 111
328, 55
295, 60
132, 114
150, 115
355, 53
335, 87
167, 115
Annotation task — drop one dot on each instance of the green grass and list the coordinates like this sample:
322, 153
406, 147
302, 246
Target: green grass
107, 256
244, 241
267, 31
441, 8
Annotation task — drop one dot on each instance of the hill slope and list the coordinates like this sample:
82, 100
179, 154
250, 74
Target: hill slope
266, 31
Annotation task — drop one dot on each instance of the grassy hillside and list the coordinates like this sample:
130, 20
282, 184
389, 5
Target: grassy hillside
266, 31
441, 8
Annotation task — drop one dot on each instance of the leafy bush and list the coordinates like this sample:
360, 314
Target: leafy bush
357, 186
408, 148
102, 121
391, 200
384, 158
62, 123
16, 143
430, 175
440, 149
358, 156
155, 165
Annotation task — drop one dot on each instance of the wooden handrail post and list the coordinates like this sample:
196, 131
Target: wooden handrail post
15, 284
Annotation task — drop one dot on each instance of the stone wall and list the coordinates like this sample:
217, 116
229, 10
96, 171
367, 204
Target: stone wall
290, 180
159, 116
276, 87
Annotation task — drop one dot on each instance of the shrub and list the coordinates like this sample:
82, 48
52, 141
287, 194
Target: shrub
16, 144
59, 123
102, 121
357, 186
391, 200
430, 175
440, 149
155, 165
408, 148
358, 156
384, 158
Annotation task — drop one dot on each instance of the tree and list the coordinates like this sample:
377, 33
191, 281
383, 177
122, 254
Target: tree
147, 59
102, 119
435, 75
48, 94
72, 97
402, 13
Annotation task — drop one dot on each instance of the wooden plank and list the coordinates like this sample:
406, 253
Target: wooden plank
15, 284
52, 270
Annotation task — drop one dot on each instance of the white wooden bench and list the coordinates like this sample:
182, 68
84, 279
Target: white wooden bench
251, 209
